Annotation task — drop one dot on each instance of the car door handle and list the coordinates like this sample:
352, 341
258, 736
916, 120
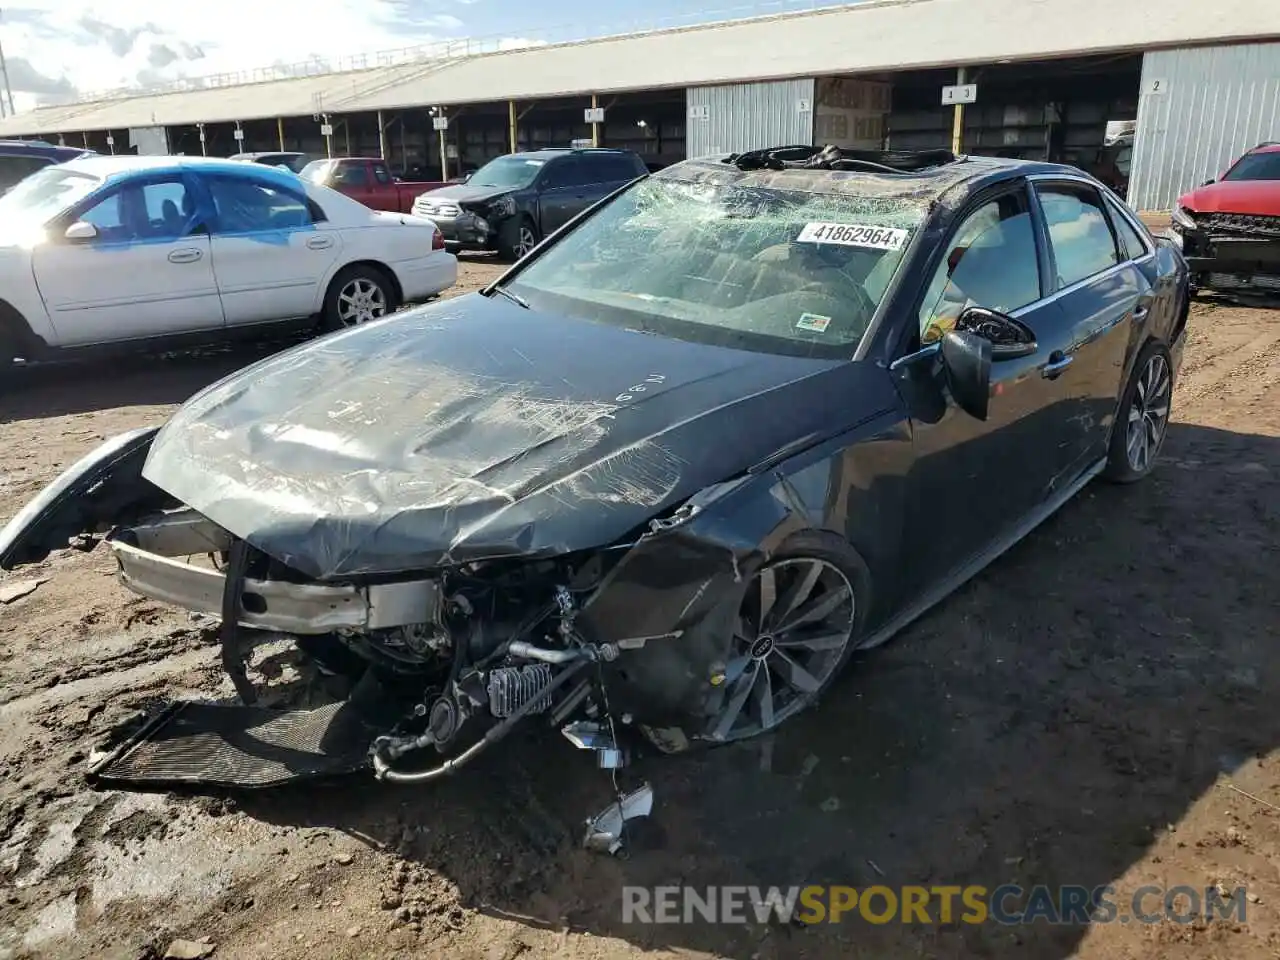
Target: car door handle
319, 243
1058, 361
186, 255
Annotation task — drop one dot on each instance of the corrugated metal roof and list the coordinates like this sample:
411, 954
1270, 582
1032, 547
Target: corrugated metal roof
860, 38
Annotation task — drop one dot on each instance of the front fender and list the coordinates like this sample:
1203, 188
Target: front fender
99, 491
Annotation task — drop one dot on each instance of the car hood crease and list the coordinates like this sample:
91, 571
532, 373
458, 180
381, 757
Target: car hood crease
473, 429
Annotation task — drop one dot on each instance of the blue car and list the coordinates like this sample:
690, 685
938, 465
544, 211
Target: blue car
18, 158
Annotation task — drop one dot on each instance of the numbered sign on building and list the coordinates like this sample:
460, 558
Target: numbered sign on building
961, 93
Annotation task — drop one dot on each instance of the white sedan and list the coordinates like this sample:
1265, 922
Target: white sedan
110, 250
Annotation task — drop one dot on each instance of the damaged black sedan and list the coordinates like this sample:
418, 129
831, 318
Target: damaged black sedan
740, 419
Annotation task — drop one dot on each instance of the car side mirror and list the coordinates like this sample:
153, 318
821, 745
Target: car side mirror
1010, 339
966, 362
1209, 182
81, 231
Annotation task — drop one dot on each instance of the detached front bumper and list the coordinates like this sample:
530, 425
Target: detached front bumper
147, 555
1232, 261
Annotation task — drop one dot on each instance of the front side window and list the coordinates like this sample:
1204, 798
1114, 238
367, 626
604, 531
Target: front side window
141, 212
380, 173
765, 269
243, 205
44, 194
608, 168
990, 262
1256, 166
565, 172
1078, 231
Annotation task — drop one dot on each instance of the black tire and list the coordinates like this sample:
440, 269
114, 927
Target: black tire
337, 312
802, 548
517, 237
1122, 466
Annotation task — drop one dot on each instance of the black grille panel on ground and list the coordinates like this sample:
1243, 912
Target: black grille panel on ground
238, 747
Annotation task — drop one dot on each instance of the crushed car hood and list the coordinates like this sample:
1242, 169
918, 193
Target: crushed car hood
467, 193
474, 429
1258, 197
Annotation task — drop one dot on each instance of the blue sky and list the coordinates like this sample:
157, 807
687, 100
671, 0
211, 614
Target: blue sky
57, 49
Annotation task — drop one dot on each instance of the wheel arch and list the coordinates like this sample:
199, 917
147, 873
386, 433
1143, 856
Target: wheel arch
15, 328
385, 269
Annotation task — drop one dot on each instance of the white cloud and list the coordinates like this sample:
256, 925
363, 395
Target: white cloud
108, 44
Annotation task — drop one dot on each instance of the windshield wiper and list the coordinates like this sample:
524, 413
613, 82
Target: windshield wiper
513, 297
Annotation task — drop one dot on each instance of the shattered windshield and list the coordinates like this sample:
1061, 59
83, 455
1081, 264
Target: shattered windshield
759, 268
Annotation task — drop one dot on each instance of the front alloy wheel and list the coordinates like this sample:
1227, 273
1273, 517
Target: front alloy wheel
793, 629
360, 300
525, 241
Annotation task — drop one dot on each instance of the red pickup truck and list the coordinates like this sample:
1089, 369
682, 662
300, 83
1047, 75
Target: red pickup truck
369, 181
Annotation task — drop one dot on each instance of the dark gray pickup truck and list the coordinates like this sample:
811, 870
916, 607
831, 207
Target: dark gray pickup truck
511, 203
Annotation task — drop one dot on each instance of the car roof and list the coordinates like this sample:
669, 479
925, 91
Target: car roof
1266, 148
547, 153
39, 148
109, 167
952, 178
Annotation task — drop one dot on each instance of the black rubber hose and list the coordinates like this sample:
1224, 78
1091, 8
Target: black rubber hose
383, 771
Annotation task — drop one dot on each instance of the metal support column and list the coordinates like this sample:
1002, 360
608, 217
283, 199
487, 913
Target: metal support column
957, 124
513, 130
382, 139
280, 132
595, 127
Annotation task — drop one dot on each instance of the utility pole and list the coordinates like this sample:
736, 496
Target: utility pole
4, 74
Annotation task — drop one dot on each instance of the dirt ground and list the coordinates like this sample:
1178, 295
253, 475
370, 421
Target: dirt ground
1098, 707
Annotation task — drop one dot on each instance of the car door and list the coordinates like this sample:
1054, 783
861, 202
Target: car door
272, 248
973, 481
147, 270
561, 193
1103, 297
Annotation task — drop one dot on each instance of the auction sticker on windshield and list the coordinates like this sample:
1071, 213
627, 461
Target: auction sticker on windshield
853, 235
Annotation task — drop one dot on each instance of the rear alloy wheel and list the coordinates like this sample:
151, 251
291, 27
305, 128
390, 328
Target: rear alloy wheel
794, 630
358, 295
1143, 418
360, 301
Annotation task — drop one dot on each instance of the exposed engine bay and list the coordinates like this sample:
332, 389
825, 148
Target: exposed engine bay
444, 665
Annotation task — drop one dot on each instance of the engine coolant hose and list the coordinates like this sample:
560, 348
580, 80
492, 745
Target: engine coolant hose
383, 770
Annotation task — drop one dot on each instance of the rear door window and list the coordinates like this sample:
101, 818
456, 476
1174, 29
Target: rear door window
1079, 234
1131, 242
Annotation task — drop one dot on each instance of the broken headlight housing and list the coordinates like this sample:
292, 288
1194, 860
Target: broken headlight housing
503, 207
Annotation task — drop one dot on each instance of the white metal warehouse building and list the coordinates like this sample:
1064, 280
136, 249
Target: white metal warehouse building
1199, 83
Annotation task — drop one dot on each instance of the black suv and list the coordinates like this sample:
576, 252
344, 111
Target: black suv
511, 203
19, 158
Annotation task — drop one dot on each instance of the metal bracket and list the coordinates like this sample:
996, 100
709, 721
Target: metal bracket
605, 829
